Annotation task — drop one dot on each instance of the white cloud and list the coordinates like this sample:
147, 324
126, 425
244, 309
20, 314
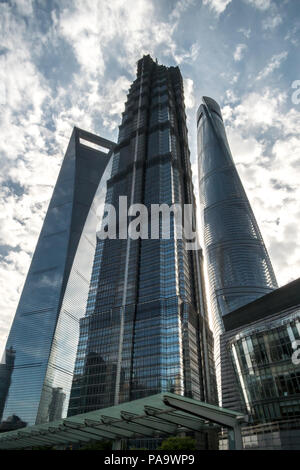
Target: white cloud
189, 97
13, 269
24, 7
270, 171
239, 52
92, 27
246, 150
25, 160
180, 7
245, 32
260, 4
271, 22
274, 64
293, 35
256, 110
288, 149
230, 98
218, 6
189, 56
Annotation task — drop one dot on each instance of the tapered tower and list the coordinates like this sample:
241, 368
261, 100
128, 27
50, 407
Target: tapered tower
45, 330
239, 267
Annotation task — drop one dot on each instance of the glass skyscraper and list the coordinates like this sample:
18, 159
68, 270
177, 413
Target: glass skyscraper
40, 352
146, 330
239, 267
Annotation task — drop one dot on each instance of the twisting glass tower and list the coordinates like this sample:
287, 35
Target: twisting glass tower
239, 267
145, 329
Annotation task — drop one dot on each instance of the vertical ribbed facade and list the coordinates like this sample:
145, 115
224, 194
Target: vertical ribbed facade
145, 329
45, 330
239, 268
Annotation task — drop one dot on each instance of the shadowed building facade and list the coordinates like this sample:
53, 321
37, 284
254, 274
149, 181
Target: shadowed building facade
239, 267
261, 367
44, 333
6, 368
146, 329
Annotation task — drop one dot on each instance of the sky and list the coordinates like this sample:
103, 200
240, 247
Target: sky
66, 63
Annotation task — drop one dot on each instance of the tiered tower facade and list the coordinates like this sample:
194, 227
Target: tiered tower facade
146, 329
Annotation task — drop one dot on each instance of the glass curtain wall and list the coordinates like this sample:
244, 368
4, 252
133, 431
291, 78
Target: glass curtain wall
44, 334
238, 264
268, 379
145, 329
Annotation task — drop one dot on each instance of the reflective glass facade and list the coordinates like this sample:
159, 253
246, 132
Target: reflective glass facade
6, 368
239, 268
260, 367
44, 333
269, 381
145, 329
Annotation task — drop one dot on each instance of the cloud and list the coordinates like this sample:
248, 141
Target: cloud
188, 56
274, 64
239, 52
218, 6
180, 7
247, 150
293, 35
288, 149
245, 32
260, 4
129, 28
256, 110
13, 269
85, 35
189, 97
24, 7
271, 22
230, 98
265, 144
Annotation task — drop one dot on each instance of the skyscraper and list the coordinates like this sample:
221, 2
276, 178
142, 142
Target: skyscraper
41, 347
145, 330
239, 268
6, 368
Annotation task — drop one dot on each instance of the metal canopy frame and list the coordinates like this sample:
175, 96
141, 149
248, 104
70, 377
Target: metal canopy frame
158, 415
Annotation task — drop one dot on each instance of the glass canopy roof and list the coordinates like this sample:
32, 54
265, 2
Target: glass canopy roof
154, 416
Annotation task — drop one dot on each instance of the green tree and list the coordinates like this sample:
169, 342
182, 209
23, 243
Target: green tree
178, 443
